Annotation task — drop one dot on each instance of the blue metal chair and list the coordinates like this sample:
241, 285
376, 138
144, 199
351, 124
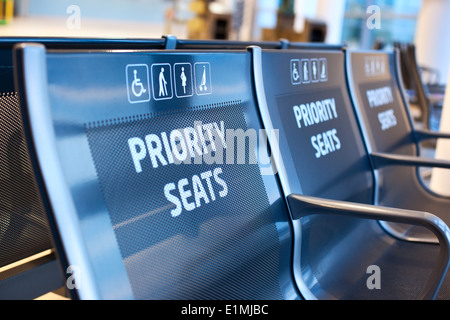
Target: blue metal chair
161, 192
131, 220
28, 264
392, 141
322, 155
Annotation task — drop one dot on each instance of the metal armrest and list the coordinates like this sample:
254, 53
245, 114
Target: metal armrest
302, 206
422, 135
381, 159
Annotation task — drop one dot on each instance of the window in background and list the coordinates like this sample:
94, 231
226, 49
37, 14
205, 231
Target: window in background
398, 20
100, 18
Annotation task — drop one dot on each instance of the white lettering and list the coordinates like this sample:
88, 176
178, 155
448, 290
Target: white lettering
193, 310
178, 207
315, 112
379, 97
199, 191
192, 141
325, 143
387, 119
167, 147
374, 280
298, 115
179, 145
195, 189
138, 152
74, 280
220, 181
73, 22
154, 150
179, 149
185, 194
374, 20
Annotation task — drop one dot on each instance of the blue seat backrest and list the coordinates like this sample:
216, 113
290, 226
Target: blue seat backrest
162, 213
379, 104
23, 222
322, 154
375, 86
304, 95
24, 230
319, 137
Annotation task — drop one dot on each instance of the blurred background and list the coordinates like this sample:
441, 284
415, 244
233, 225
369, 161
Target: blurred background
239, 19
357, 23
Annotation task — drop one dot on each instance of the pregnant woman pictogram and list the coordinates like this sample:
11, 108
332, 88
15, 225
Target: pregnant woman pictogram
183, 80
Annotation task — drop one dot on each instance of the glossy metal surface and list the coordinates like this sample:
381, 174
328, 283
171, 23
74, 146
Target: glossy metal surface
83, 92
302, 206
332, 252
35, 84
399, 183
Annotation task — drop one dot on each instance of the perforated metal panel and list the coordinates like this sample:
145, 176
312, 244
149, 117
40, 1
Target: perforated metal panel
24, 230
225, 246
130, 242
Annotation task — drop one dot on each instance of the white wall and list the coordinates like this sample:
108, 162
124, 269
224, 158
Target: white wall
330, 11
440, 178
433, 36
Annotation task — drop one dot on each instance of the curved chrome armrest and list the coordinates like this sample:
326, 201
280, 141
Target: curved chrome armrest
381, 159
422, 134
302, 206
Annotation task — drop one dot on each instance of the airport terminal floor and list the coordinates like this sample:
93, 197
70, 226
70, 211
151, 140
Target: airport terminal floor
155, 160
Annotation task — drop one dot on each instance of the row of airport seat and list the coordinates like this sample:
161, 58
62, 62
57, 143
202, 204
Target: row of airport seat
180, 169
423, 87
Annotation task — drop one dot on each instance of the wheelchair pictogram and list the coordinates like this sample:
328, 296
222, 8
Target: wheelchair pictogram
136, 86
138, 83
295, 74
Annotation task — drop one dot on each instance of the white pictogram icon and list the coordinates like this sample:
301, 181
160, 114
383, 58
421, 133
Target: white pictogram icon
137, 83
182, 73
295, 73
323, 69
136, 86
202, 73
183, 80
315, 70
305, 70
374, 66
162, 83
202, 85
